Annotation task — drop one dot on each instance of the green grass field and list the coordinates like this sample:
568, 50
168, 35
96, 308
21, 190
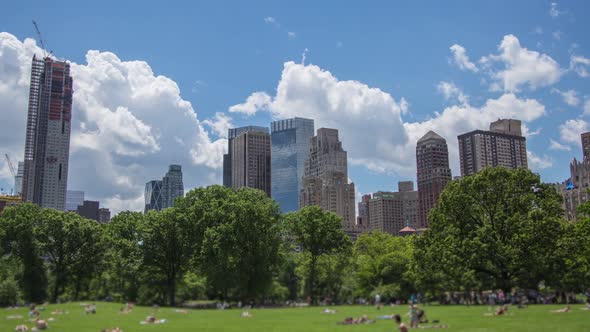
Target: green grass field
458, 318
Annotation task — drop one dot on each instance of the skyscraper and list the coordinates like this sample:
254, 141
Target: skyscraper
503, 145
74, 198
104, 215
289, 150
586, 144
227, 161
153, 196
325, 181
390, 212
160, 194
172, 186
433, 172
18, 179
47, 146
250, 158
89, 210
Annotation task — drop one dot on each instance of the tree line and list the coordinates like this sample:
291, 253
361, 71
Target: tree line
498, 229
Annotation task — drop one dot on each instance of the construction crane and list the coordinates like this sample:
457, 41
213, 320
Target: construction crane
12, 171
41, 41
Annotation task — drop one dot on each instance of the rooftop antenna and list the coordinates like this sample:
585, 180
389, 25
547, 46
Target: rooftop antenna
41, 41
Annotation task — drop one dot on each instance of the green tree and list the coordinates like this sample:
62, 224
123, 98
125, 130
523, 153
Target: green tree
572, 257
124, 256
18, 223
237, 238
502, 226
318, 233
167, 248
382, 262
73, 249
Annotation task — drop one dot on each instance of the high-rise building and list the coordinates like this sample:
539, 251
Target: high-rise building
575, 189
160, 194
325, 182
153, 196
433, 173
289, 149
172, 186
227, 161
89, 210
18, 179
586, 145
362, 220
47, 146
74, 198
250, 158
104, 215
390, 212
503, 145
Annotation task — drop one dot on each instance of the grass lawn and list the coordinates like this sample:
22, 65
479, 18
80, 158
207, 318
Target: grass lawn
458, 318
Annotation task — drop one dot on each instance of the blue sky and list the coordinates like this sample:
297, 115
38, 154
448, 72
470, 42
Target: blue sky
221, 52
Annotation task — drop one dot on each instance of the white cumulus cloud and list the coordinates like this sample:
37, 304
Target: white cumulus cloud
537, 163
580, 65
553, 145
521, 66
450, 91
128, 125
571, 129
256, 101
461, 59
570, 97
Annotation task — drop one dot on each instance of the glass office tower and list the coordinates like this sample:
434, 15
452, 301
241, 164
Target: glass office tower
289, 150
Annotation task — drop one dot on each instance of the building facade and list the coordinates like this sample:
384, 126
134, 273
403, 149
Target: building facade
18, 179
104, 215
289, 149
433, 173
172, 186
503, 145
227, 161
47, 145
89, 210
250, 160
325, 181
574, 190
585, 144
390, 212
74, 198
153, 196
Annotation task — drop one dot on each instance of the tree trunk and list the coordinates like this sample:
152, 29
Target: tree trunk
172, 291
312, 272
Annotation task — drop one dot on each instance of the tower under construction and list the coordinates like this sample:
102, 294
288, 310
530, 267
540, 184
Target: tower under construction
47, 146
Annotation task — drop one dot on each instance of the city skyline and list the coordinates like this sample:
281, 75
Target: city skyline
459, 81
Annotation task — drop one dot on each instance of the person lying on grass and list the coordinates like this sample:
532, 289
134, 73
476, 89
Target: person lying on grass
566, 309
151, 319
114, 329
361, 320
14, 317
181, 311
328, 311
21, 328
246, 314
